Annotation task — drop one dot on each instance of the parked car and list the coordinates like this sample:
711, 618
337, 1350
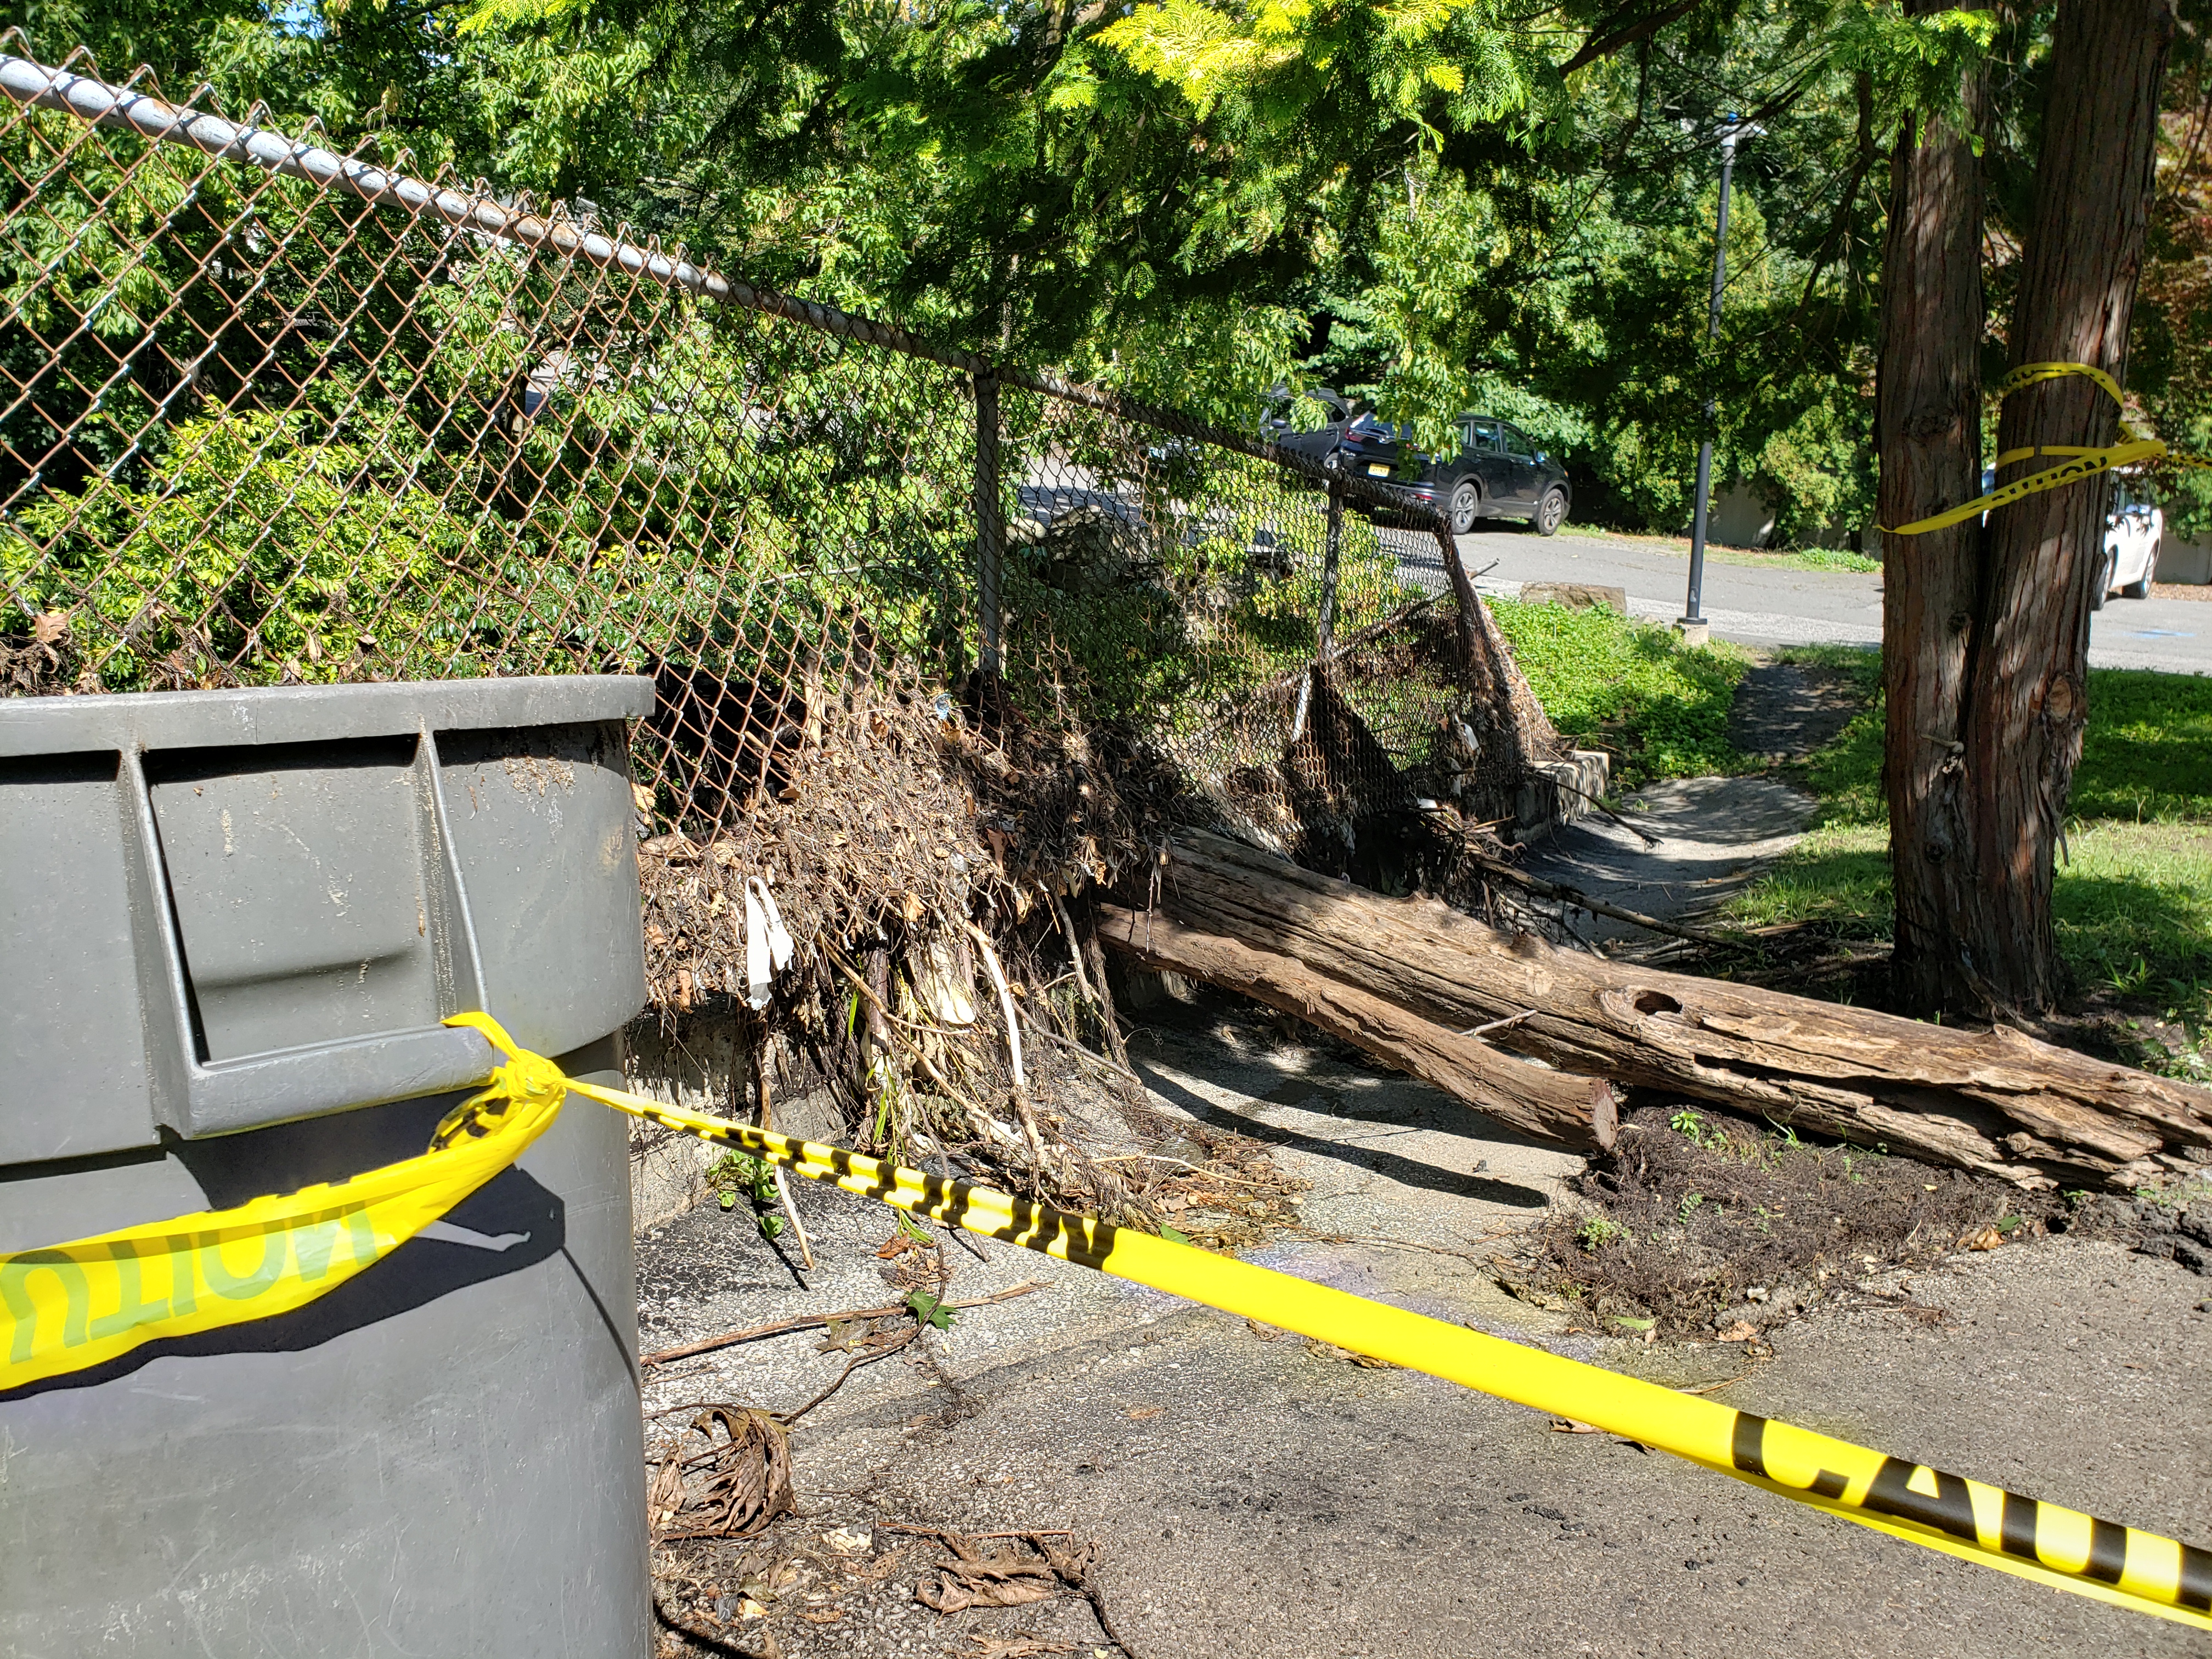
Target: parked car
1498, 473
1321, 441
2134, 528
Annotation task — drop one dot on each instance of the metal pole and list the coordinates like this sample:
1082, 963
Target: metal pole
990, 522
1325, 632
1693, 616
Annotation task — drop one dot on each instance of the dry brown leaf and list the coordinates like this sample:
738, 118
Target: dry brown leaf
952, 1593
1568, 1426
826, 1616
1146, 1411
665, 1495
1988, 1239
746, 1482
1742, 1331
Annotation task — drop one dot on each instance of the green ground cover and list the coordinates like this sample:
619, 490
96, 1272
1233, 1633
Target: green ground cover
2132, 904
1630, 688
1802, 558
2133, 900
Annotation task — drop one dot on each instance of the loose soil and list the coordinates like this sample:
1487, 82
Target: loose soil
1697, 1223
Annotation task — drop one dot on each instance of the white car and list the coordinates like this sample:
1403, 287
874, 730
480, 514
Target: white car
2133, 530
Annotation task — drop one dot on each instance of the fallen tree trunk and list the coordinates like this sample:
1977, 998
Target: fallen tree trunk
1995, 1101
1550, 1105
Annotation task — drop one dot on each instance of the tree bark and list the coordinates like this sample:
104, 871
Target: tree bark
1994, 1101
2026, 694
1548, 1104
1927, 434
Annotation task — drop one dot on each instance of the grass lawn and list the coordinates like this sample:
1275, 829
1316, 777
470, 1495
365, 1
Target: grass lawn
2132, 904
1629, 688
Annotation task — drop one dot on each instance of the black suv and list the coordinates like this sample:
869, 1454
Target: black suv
1497, 473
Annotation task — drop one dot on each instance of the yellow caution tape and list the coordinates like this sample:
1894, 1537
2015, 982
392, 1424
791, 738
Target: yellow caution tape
2083, 462
52, 1318
74, 1305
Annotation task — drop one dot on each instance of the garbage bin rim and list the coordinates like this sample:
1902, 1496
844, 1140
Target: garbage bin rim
312, 713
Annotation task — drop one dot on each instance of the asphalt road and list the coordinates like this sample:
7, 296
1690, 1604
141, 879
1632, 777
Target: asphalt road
1260, 1500
1760, 604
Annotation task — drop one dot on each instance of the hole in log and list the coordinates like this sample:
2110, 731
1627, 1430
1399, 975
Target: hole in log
1656, 1002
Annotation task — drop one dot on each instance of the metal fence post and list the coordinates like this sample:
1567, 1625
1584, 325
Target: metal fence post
990, 521
1325, 631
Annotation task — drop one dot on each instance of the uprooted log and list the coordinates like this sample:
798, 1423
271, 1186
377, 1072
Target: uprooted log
1994, 1101
1551, 1105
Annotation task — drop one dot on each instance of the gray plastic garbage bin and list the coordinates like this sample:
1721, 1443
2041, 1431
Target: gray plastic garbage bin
230, 922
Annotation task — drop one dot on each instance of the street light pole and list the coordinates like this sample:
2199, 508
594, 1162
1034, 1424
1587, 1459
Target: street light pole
1694, 624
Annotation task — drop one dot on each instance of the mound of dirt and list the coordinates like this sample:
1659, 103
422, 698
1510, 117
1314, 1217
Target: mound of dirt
1700, 1225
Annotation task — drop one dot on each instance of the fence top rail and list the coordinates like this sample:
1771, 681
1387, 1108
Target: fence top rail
98, 103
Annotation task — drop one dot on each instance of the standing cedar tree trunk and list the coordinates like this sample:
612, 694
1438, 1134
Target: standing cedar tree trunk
1982, 742
1928, 432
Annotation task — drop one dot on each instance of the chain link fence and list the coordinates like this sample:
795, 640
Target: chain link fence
274, 415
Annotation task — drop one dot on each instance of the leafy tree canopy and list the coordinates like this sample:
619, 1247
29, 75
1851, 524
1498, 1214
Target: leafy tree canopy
1430, 205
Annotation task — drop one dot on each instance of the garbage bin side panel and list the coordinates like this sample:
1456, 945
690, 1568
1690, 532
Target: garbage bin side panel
445, 1461
76, 1079
541, 824
297, 877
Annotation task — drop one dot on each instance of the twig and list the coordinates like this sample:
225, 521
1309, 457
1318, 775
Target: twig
1580, 900
1007, 1001
1051, 1036
759, 1035
1096, 954
852, 1366
791, 1214
1498, 1024
1162, 1157
991, 1124
684, 1626
946, 1538
1648, 839
1390, 1243
1089, 1585
1725, 1382
777, 1327
1021, 1091
1075, 949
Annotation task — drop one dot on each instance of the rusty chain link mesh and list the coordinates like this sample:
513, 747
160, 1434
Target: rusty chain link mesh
264, 424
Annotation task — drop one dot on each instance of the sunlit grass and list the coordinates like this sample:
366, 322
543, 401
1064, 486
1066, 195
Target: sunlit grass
2131, 903
1628, 687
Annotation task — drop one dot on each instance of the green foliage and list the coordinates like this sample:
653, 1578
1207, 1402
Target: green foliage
1596, 1233
1628, 687
248, 546
932, 1310
1195, 199
1692, 1128
2146, 756
741, 1177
